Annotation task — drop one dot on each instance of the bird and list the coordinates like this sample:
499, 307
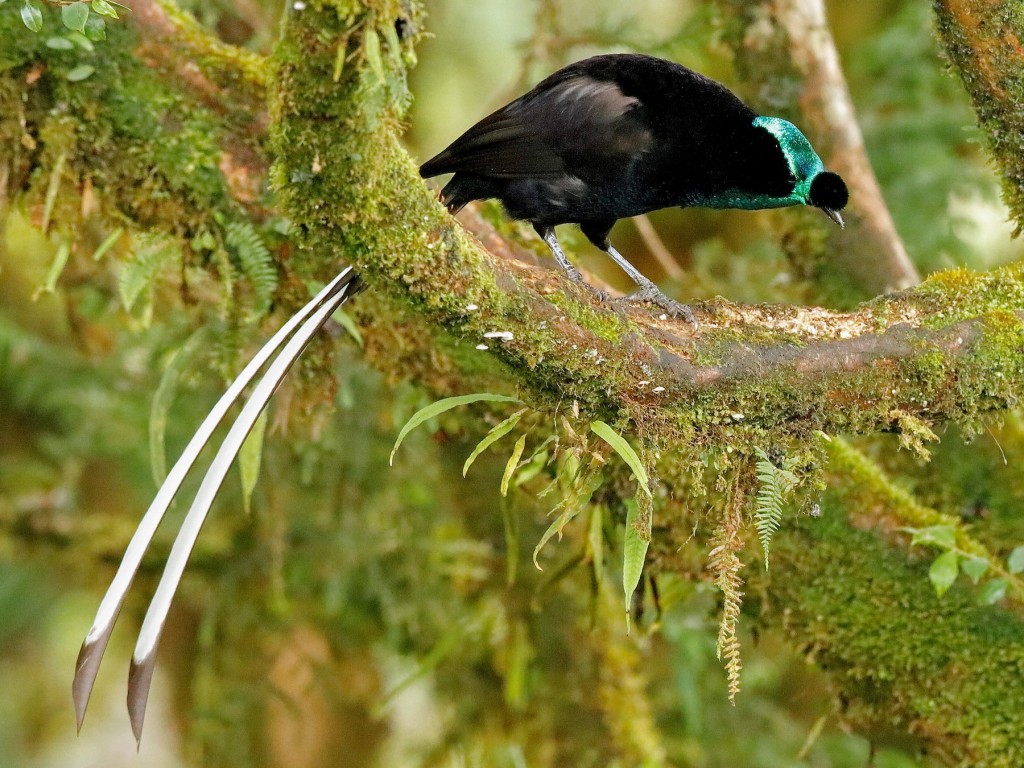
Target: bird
609, 137
620, 135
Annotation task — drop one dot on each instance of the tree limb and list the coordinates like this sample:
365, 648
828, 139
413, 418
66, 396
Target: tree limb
984, 40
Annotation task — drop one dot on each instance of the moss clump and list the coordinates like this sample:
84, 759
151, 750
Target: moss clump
954, 676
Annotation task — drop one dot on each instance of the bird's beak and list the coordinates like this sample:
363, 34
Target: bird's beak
835, 216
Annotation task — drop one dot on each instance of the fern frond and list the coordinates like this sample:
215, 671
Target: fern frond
254, 261
724, 562
775, 484
139, 275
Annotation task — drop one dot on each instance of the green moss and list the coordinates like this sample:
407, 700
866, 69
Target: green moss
954, 673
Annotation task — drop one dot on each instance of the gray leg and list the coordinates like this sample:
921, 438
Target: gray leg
649, 292
548, 236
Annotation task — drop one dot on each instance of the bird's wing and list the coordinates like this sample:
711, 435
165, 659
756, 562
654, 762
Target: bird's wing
574, 120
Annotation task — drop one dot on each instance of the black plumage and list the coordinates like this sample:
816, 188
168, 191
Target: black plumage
620, 135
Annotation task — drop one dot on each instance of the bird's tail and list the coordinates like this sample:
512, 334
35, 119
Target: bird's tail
291, 339
462, 189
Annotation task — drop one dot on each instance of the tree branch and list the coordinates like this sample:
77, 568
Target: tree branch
984, 40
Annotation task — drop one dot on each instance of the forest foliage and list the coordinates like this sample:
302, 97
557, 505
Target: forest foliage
793, 595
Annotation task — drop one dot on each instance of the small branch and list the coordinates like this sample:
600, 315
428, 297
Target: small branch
785, 50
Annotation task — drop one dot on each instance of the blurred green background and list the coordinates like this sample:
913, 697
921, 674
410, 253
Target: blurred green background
357, 615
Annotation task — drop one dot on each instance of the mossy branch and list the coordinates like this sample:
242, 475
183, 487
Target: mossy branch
983, 40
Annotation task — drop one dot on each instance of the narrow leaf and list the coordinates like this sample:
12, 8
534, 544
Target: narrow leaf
492, 437
1015, 562
74, 16
595, 540
249, 458
344, 319
436, 409
943, 572
371, 48
513, 462
60, 260
556, 526
59, 43
634, 548
163, 398
625, 451
107, 244
31, 16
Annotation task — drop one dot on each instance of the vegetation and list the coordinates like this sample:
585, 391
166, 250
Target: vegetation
176, 178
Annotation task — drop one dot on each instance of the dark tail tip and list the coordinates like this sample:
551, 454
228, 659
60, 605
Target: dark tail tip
86, 669
140, 677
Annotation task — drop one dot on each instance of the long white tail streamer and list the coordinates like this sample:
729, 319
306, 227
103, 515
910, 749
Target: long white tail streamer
96, 640
140, 675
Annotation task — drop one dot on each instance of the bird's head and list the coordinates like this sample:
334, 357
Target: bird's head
812, 184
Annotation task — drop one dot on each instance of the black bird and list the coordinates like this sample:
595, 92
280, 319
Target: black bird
608, 137
623, 134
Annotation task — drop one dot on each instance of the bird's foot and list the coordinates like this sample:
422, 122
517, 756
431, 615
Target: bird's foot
651, 294
577, 277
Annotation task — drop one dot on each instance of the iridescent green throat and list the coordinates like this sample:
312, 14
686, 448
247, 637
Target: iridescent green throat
803, 162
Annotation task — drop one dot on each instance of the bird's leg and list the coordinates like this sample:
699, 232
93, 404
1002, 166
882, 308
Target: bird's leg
547, 234
649, 292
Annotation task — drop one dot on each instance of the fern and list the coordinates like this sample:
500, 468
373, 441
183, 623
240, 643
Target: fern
775, 486
139, 275
255, 262
725, 564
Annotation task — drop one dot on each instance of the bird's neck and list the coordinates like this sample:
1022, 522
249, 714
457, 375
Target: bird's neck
736, 198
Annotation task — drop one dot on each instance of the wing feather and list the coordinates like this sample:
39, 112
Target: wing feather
576, 118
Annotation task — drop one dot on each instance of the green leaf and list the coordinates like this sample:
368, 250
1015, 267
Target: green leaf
60, 260
107, 244
992, 592
249, 458
96, 29
342, 318
492, 437
595, 540
943, 572
942, 536
166, 390
371, 48
81, 41
1015, 562
31, 16
625, 450
74, 16
81, 72
513, 462
103, 8
634, 548
574, 502
59, 43
975, 568
436, 409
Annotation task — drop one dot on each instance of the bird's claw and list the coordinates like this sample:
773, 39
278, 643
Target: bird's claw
651, 294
